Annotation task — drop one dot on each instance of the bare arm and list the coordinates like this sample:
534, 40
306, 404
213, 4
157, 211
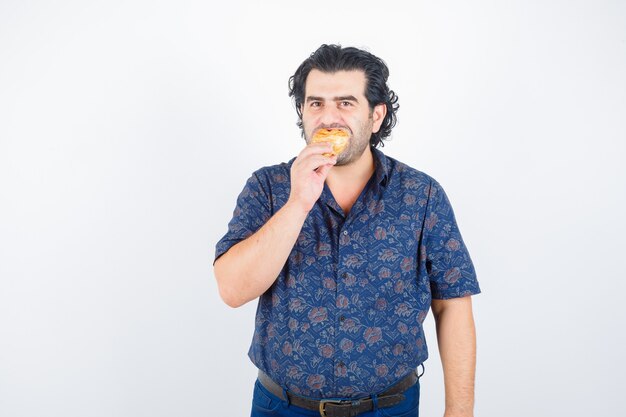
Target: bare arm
456, 337
250, 267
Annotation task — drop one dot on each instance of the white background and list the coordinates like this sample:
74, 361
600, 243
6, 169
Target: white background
128, 128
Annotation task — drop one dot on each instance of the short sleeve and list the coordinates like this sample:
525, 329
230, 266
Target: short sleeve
450, 269
252, 211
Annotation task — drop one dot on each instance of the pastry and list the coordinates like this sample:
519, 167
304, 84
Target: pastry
337, 137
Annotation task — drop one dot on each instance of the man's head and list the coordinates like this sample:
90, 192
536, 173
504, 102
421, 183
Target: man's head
329, 60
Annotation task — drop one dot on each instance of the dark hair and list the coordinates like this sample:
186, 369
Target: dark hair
333, 58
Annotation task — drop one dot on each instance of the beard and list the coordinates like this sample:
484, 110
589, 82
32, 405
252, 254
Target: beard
358, 143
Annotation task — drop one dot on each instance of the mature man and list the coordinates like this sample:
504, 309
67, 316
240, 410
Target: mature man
347, 253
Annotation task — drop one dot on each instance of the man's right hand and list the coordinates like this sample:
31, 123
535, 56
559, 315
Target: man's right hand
308, 173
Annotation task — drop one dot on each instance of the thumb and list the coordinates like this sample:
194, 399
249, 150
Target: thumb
323, 170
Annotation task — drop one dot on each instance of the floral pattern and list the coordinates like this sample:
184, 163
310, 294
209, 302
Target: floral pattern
344, 317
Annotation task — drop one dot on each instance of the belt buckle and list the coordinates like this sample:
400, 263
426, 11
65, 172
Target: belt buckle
323, 406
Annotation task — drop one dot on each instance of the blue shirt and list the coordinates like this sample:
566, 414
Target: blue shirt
344, 317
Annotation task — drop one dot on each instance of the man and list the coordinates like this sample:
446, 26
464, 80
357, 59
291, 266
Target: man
347, 253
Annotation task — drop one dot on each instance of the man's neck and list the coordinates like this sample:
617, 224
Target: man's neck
347, 181
354, 174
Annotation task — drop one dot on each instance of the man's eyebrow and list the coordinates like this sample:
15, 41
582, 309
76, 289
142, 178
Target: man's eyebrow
346, 98
339, 98
314, 98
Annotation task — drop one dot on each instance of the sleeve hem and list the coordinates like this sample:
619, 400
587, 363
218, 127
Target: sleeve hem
455, 294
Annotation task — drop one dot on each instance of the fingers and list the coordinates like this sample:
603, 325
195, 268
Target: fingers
324, 170
316, 148
312, 157
315, 161
309, 172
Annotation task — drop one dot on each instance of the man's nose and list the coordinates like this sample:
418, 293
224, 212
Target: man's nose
330, 115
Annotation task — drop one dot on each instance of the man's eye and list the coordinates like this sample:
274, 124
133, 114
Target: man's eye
346, 103
315, 104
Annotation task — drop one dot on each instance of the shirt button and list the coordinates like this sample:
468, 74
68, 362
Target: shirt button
342, 318
345, 232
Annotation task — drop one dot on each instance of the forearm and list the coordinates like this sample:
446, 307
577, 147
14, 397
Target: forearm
250, 267
456, 337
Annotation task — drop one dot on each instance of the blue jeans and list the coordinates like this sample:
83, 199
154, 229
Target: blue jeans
264, 403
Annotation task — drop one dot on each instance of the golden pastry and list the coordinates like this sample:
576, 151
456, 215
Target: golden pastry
337, 137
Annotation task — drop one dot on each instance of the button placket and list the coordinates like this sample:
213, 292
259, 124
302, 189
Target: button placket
342, 358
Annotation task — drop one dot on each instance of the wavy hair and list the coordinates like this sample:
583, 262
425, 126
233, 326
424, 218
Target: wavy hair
333, 58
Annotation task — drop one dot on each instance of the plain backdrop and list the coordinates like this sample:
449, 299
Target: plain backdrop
128, 128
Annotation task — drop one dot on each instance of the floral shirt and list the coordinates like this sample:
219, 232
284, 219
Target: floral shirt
344, 316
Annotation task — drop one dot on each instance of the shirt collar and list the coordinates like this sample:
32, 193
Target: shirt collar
381, 167
381, 164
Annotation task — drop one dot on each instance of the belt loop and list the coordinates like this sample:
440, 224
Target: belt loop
286, 400
423, 370
375, 404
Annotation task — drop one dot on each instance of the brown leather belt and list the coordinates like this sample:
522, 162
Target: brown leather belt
346, 408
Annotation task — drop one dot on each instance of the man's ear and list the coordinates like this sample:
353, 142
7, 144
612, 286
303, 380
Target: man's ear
378, 115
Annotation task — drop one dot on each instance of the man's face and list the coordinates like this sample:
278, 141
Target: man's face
337, 100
